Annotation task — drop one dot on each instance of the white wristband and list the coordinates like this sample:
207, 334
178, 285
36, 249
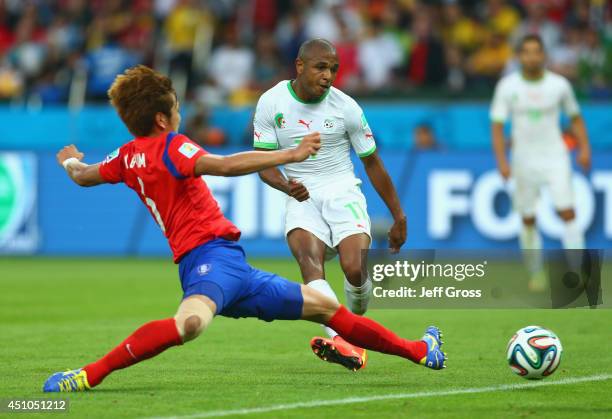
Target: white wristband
68, 161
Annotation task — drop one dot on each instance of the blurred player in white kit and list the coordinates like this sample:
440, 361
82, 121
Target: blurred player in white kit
532, 99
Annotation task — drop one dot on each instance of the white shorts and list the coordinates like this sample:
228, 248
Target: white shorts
530, 176
332, 213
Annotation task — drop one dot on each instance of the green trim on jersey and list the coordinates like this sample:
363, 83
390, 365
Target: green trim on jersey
268, 146
307, 102
498, 120
369, 152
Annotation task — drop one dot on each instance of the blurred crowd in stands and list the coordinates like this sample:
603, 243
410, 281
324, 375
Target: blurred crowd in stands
229, 51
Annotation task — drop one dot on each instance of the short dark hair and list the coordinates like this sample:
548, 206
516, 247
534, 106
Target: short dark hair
318, 43
530, 38
138, 95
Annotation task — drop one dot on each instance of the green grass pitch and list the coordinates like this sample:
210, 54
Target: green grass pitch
58, 314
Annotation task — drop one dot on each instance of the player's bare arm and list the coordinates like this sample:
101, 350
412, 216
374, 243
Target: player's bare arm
277, 180
82, 174
254, 161
384, 187
274, 177
578, 128
499, 148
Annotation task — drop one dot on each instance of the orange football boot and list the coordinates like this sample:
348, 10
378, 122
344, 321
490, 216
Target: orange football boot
339, 351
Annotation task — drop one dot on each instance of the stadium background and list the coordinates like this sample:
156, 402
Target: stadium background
423, 71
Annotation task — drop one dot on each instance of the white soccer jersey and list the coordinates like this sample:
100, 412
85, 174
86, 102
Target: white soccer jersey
282, 119
534, 109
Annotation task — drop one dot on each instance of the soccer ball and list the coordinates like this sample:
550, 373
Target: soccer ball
534, 352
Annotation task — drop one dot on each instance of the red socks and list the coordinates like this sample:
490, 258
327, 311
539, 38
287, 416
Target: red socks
368, 334
147, 341
155, 337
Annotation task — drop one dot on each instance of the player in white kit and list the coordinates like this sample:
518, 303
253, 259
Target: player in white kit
532, 100
326, 213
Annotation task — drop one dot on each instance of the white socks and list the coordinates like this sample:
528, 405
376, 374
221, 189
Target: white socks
323, 287
357, 298
573, 237
530, 237
531, 242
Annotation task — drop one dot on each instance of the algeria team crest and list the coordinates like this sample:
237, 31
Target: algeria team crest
279, 119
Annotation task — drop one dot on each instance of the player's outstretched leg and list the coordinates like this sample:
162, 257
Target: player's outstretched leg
309, 252
357, 292
193, 316
335, 349
368, 334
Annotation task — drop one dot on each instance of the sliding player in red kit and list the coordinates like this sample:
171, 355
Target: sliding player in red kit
165, 168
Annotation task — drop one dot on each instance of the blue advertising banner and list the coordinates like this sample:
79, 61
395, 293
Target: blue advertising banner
18, 196
459, 200
453, 201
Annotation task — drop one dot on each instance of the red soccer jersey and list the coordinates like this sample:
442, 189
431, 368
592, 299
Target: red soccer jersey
161, 171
